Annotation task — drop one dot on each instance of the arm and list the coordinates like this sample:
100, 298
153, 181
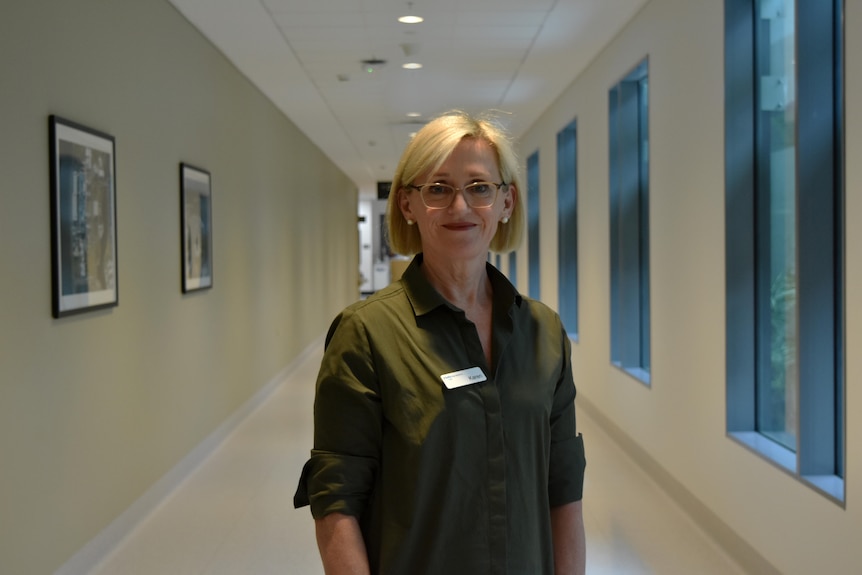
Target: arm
342, 548
570, 548
339, 477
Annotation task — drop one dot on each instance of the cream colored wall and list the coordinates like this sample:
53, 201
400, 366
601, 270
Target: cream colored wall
95, 408
680, 421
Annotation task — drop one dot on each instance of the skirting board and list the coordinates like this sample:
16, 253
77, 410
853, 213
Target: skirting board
744, 554
102, 545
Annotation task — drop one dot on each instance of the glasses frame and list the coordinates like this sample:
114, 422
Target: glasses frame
456, 189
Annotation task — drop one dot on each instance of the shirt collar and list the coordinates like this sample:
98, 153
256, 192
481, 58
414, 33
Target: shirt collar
424, 298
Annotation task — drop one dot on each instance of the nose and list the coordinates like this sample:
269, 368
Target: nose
459, 202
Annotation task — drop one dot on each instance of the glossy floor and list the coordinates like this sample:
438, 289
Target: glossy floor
235, 516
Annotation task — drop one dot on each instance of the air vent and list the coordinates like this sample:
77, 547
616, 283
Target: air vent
372, 65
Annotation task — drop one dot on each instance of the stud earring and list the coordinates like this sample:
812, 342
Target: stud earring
505, 220
410, 222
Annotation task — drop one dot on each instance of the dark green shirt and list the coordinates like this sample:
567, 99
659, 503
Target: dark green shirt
445, 481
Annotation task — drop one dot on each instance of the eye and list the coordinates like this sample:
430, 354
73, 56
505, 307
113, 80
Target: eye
437, 189
480, 188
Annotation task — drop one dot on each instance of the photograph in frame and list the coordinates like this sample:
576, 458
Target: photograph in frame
83, 218
196, 208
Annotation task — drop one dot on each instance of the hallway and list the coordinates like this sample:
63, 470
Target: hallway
234, 515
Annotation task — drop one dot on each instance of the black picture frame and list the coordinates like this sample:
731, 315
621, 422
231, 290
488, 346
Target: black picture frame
196, 223
83, 218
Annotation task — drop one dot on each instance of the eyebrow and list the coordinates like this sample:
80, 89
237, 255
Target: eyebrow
472, 175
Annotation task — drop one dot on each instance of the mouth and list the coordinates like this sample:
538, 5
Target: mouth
459, 226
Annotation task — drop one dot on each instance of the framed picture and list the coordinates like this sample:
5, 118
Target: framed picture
197, 241
83, 218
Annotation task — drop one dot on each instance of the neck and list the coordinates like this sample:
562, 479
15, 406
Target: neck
464, 284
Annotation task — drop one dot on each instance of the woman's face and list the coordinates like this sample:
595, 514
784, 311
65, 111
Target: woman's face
460, 231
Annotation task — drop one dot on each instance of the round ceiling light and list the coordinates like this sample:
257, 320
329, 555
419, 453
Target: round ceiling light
411, 19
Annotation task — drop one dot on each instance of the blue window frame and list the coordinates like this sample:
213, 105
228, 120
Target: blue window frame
533, 224
567, 214
628, 114
784, 200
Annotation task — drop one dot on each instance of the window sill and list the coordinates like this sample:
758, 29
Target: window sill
830, 485
768, 449
638, 373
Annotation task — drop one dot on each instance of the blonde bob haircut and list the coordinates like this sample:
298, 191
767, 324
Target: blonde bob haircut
427, 151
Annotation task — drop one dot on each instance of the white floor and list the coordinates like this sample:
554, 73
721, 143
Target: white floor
235, 516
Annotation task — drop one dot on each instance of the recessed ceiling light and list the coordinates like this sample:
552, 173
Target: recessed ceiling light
411, 66
411, 19
414, 115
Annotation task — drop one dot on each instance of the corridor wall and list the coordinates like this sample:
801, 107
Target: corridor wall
95, 408
769, 520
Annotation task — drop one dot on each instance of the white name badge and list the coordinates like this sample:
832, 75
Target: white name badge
464, 377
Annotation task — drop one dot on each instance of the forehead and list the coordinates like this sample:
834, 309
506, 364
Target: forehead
471, 154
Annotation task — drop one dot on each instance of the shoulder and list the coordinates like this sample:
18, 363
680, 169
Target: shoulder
378, 307
540, 312
380, 298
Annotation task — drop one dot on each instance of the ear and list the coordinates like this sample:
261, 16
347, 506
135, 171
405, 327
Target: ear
509, 200
404, 205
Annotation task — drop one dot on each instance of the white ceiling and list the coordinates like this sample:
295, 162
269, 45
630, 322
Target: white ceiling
516, 56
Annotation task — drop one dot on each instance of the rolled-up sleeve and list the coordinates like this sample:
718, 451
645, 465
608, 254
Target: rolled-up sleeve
567, 459
333, 482
340, 474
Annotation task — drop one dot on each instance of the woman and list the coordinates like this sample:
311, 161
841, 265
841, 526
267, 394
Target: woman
445, 438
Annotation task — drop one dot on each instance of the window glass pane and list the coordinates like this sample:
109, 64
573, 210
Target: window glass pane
567, 237
628, 114
777, 381
643, 175
533, 215
840, 223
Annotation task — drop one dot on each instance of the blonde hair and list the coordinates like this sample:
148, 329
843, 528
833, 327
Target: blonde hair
427, 151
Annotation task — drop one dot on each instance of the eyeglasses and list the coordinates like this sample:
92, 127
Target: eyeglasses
477, 194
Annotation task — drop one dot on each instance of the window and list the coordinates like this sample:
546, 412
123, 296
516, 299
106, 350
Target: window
629, 215
784, 234
533, 223
567, 210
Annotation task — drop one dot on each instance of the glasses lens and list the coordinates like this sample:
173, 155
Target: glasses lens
480, 194
437, 195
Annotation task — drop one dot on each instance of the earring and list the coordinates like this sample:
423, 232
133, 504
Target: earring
505, 220
410, 222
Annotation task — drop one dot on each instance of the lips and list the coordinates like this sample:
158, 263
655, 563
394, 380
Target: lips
458, 226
